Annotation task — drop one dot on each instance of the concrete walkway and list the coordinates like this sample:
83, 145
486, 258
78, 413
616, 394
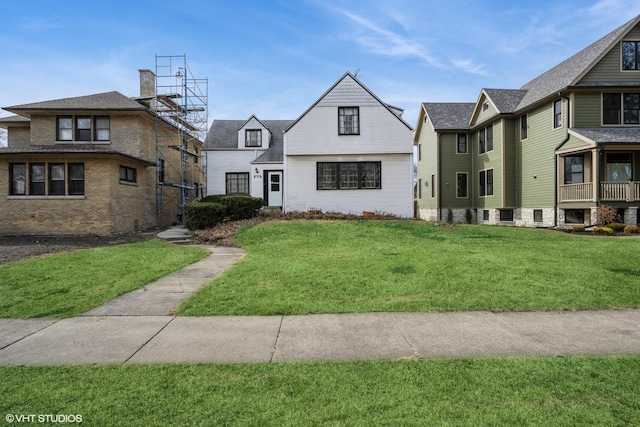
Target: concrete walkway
140, 328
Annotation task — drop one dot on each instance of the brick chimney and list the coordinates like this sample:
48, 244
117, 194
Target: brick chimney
148, 86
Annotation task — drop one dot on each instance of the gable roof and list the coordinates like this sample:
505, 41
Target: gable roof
393, 110
223, 134
571, 70
449, 115
101, 101
506, 101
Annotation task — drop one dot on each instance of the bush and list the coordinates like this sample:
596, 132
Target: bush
632, 229
616, 226
602, 231
578, 228
606, 215
199, 215
468, 216
237, 206
449, 216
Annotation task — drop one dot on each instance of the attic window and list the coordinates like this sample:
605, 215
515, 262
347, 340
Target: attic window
348, 121
485, 106
631, 55
253, 138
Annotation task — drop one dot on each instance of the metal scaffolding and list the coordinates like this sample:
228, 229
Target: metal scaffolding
181, 107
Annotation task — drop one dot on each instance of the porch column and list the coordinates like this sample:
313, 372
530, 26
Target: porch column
595, 168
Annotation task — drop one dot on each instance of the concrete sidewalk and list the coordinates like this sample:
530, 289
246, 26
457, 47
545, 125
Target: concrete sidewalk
140, 327
367, 336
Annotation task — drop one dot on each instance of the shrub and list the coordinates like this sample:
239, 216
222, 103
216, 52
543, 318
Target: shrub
632, 229
450, 216
602, 230
199, 215
237, 206
578, 228
606, 215
616, 226
468, 216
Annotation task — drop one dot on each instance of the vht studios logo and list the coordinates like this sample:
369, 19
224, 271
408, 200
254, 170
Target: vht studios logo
43, 418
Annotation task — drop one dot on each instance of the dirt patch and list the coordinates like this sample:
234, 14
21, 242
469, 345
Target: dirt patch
13, 248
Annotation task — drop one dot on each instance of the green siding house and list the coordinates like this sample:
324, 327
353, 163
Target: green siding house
545, 155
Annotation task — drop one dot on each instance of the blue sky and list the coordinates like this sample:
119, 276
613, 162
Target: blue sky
274, 58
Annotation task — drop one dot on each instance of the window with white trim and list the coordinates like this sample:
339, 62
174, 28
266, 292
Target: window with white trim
82, 128
557, 113
461, 143
253, 138
485, 183
631, 55
461, 185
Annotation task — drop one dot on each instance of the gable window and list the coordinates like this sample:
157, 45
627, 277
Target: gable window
524, 127
461, 185
485, 106
557, 114
631, 55
82, 128
485, 139
461, 147
574, 169
128, 174
348, 120
348, 176
253, 138
46, 179
621, 108
486, 183
237, 183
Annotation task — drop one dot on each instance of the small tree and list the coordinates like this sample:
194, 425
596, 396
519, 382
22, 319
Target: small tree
606, 215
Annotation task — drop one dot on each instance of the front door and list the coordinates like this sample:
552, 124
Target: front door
273, 193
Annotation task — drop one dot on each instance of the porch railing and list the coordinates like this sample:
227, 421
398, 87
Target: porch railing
576, 192
609, 191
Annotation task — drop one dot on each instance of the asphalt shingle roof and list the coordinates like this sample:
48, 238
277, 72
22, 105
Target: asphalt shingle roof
506, 100
101, 101
449, 115
610, 135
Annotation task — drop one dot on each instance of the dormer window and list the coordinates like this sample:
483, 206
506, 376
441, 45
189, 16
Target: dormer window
348, 121
485, 106
631, 55
82, 128
253, 138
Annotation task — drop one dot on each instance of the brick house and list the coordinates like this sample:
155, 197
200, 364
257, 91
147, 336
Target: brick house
94, 165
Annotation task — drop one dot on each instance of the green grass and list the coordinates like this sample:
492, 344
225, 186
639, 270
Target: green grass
491, 392
70, 283
299, 267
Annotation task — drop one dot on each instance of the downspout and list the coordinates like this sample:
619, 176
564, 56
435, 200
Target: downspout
438, 178
555, 163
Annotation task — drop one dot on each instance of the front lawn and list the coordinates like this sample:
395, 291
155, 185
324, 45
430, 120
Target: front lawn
299, 267
491, 392
70, 283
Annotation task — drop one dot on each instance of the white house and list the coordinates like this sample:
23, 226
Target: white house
349, 152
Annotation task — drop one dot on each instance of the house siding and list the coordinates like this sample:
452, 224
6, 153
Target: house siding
609, 68
456, 163
394, 197
510, 177
489, 160
587, 108
427, 166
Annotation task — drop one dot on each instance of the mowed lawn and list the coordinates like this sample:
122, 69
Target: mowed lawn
70, 283
299, 267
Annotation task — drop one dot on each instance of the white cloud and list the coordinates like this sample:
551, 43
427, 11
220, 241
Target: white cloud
469, 66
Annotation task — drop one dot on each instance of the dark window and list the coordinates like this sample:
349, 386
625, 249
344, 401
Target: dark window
557, 113
485, 139
631, 55
486, 183
462, 143
433, 186
461, 187
485, 106
574, 216
196, 157
348, 176
161, 170
348, 121
56, 179
485, 215
481, 141
102, 128
611, 108
506, 215
419, 152
574, 169
18, 178
83, 128
524, 127
37, 179
419, 188
490, 138
253, 138
631, 108
76, 178
64, 128
237, 183
537, 215
619, 167
128, 174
